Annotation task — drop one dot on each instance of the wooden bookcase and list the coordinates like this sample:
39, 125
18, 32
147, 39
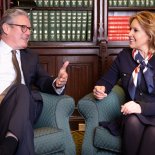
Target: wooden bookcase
114, 47
88, 58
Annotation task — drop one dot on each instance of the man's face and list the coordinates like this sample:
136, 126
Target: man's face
15, 36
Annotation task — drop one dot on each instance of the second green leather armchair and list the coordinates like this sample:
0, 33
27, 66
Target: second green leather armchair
98, 140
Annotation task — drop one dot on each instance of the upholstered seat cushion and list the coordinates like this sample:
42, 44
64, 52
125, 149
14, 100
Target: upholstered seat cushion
103, 139
49, 140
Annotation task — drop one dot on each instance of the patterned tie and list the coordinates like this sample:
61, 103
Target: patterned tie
16, 66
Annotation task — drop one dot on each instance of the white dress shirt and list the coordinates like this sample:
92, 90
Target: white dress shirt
7, 71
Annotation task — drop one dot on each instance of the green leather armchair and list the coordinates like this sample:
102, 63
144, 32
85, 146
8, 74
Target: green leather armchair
98, 140
52, 135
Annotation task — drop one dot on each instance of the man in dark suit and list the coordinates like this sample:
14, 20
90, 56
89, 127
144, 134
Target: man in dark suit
20, 105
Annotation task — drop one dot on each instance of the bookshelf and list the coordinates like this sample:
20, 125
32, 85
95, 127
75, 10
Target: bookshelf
69, 30
120, 9
1, 7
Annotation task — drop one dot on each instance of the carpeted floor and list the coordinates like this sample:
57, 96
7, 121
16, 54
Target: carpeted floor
78, 138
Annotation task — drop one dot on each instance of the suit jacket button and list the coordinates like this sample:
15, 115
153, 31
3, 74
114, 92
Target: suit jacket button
140, 94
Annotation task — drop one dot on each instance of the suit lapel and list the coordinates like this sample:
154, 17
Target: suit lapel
24, 65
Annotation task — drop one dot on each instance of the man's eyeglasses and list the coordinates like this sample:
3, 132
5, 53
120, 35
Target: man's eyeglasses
24, 28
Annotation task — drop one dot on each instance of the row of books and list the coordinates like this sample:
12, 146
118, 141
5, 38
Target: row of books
118, 28
64, 3
61, 25
131, 3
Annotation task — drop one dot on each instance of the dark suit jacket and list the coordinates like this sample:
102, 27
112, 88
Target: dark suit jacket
35, 75
122, 68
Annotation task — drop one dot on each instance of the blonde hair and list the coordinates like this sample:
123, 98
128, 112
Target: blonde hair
147, 21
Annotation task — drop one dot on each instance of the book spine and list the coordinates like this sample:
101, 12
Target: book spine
58, 25
118, 18
45, 31
110, 3
84, 26
131, 3
51, 3
62, 3
115, 38
73, 3
34, 22
138, 3
40, 25
89, 26
152, 3
91, 3
45, 3
56, 3
118, 31
143, 3
67, 3
52, 26
69, 25
63, 26
73, 26
85, 3
39, 3
114, 3
79, 3
79, 24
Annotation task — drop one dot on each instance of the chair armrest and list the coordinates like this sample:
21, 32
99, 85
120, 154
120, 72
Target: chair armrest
56, 112
95, 111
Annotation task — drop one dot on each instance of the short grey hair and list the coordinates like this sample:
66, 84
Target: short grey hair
9, 15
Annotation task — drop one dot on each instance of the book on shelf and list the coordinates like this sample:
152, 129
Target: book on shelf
84, 26
46, 3
89, 26
85, 3
69, 26
39, 3
62, 3
40, 25
73, 3
91, 3
131, 3
63, 26
118, 31
79, 26
56, 3
51, 3
52, 26
118, 38
118, 18
58, 25
34, 22
45, 26
118, 28
79, 3
67, 3
73, 26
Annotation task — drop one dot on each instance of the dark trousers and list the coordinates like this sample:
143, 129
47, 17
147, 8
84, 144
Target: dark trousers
18, 112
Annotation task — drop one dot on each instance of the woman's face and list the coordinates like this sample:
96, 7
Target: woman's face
138, 39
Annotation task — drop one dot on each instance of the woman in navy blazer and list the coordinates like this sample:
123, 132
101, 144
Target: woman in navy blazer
135, 67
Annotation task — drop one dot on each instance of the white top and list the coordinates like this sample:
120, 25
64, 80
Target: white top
7, 71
